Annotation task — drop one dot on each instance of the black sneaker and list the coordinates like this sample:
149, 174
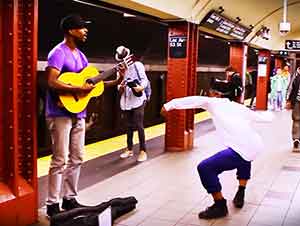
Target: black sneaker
53, 209
69, 204
238, 200
217, 210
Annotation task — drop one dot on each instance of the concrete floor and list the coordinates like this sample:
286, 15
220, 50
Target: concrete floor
170, 193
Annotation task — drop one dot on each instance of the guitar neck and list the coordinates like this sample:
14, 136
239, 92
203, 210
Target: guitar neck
102, 76
126, 62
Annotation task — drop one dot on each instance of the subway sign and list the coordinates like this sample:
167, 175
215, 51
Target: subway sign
177, 46
217, 22
292, 44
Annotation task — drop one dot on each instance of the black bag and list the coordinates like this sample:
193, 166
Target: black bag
133, 84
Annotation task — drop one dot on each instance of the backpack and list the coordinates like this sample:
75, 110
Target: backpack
147, 89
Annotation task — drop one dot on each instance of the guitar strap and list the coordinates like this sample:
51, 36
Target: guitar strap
137, 71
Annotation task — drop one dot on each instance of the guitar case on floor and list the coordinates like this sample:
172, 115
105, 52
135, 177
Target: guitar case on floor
89, 216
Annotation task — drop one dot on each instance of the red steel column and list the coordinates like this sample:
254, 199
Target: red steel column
2, 154
18, 148
192, 48
9, 125
181, 81
263, 77
238, 59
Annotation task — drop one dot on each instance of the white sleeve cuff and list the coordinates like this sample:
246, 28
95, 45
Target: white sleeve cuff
168, 106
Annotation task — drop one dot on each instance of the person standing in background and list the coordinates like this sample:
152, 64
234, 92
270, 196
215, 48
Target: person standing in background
293, 103
279, 84
232, 86
132, 102
252, 73
286, 70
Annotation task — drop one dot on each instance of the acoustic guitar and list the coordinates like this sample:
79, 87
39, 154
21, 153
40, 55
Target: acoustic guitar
76, 103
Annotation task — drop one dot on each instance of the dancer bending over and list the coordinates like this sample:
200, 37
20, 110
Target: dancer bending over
233, 125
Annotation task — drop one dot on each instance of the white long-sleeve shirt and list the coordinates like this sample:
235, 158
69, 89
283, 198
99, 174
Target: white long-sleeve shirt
232, 121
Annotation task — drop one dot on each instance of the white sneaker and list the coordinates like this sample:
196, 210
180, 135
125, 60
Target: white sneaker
126, 154
142, 156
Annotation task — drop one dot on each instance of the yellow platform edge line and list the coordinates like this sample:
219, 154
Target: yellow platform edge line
110, 145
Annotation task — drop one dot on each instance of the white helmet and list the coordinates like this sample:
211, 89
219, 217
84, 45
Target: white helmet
121, 53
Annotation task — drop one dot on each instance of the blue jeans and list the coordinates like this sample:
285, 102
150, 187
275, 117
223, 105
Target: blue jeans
278, 101
225, 160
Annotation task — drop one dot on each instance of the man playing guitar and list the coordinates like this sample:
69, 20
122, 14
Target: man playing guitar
67, 129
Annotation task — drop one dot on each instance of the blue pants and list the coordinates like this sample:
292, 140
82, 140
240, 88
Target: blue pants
228, 159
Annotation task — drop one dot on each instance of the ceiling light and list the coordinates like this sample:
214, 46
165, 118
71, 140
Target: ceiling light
284, 26
128, 15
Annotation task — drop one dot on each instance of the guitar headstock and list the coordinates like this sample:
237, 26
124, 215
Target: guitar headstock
126, 62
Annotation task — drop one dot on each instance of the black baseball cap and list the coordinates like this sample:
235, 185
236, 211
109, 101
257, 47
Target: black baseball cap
73, 21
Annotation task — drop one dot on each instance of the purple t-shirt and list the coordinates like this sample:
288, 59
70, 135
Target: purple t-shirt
62, 58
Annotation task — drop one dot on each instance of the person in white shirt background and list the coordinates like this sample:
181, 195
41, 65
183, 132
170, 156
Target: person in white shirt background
232, 121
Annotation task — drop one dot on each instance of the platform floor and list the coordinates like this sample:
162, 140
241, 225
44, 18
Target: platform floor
170, 193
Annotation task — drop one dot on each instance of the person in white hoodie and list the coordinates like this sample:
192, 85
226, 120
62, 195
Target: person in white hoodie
233, 125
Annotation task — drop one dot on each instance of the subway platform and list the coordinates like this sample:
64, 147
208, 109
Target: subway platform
170, 193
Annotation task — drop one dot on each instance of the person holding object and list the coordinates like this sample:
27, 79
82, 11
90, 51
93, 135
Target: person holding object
233, 84
132, 102
67, 129
233, 122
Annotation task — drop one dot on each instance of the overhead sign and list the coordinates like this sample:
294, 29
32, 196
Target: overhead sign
292, 44
224, 25
262, 66
177, 46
